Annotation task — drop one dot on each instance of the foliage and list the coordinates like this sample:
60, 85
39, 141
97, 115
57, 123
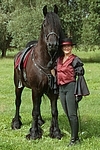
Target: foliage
5, 37
5, 10
71, 18
3, 30
26, 23
28, 30
89, 109
91, 25
22, 21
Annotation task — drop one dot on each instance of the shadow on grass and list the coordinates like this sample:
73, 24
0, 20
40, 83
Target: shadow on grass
91, 60
89, 127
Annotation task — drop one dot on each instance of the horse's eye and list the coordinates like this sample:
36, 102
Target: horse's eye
44, 25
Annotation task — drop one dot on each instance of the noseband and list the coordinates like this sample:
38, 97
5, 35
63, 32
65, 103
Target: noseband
52, 57
51, 33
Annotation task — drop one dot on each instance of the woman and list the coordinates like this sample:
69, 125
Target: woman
70, 90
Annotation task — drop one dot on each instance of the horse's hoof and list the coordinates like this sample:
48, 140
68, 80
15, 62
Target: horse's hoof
16, 124
59, 136
34, 135
30, 137
55, 134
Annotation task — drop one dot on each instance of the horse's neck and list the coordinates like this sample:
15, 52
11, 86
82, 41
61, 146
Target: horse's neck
41, 53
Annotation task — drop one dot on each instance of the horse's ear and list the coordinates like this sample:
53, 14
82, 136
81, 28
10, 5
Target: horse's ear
55, 9
45, 10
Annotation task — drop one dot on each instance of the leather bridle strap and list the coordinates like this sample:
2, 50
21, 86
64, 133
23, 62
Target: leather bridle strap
52, 33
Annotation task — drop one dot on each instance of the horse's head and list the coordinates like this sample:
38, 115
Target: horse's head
51, 28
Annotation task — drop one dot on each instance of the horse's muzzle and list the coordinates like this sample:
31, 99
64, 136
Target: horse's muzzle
52, 46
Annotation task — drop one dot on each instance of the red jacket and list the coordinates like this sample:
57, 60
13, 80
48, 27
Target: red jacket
65, 71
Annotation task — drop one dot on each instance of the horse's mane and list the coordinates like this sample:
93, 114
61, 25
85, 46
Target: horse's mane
54, 17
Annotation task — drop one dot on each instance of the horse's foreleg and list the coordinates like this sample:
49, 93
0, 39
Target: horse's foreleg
35, 131
54, 129
40, 120
16, 122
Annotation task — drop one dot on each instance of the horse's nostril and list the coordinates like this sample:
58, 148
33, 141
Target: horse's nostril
50, 44
53, 44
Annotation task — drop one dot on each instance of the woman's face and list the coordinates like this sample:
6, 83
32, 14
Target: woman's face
67, 49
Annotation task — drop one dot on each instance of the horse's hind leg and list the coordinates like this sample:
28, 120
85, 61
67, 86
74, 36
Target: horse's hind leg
40, 120
54, 128
16, 122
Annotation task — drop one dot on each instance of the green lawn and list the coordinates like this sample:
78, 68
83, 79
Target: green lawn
89, 112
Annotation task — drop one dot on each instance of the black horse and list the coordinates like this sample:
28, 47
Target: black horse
36, 74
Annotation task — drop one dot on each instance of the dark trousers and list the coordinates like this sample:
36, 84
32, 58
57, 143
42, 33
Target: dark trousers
69, 104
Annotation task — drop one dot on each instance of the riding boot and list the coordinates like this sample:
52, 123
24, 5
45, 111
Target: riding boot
74, 124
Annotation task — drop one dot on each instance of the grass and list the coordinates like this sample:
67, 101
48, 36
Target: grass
89, 111
90, 56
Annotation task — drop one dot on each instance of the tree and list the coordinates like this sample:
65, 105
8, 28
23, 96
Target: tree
5, 38
71, 17
91, 25
80, 19
26, 21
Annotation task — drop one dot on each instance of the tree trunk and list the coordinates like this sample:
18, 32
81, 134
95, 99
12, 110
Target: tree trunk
3, 53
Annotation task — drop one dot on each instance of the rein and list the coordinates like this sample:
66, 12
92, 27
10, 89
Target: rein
51, 61
41, 68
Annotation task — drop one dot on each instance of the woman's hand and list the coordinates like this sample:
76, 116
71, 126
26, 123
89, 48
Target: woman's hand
53, 72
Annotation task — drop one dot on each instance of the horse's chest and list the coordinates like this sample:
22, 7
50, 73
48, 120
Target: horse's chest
36, 79
36, 76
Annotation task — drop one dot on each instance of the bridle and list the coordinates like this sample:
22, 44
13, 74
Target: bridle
41, 68
55, 53
51, 33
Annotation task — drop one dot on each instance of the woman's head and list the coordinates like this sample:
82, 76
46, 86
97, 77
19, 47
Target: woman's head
67, 41
67, 45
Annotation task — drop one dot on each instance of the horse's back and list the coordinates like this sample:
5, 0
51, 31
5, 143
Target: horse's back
34, 42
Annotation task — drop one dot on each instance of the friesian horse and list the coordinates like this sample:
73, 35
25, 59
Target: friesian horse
36, 75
